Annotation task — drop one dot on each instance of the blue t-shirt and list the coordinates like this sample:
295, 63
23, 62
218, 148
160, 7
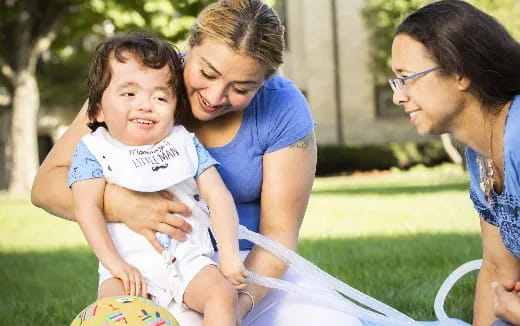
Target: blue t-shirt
84, 164
505, 207
277, 117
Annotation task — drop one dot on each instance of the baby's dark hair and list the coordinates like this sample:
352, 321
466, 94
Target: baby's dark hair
147, 48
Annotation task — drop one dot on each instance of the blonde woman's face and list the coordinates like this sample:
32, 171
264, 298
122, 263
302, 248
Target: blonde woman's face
219, 80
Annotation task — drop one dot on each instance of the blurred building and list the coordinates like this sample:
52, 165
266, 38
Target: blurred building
328, 59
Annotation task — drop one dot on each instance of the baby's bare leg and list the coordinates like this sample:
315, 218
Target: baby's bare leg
213, 295
110, 288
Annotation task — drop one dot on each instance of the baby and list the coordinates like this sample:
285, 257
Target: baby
135, 96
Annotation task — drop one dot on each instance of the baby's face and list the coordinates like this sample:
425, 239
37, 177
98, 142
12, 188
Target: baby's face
138, 104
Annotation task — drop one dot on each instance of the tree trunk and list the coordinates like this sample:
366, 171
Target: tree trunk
26, 102
5, 149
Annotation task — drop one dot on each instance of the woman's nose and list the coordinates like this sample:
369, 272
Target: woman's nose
216, 94
400, 97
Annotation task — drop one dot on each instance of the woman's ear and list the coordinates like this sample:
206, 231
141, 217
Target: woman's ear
187, 46
463, 82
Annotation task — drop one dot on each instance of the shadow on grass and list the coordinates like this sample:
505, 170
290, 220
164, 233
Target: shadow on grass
392, 189
50, 288
405, 271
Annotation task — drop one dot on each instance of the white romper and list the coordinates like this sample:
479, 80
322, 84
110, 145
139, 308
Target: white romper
170, 163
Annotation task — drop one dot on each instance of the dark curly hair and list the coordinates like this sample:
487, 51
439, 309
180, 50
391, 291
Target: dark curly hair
151, 51
464, 40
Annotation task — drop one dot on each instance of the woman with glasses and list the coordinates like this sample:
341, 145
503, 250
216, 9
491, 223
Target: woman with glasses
458, 72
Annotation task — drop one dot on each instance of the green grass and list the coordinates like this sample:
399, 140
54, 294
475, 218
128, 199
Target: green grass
393, 236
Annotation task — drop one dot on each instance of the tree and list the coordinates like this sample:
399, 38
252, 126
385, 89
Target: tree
383, 16
34, 31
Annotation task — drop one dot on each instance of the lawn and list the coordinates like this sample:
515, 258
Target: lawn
395, 236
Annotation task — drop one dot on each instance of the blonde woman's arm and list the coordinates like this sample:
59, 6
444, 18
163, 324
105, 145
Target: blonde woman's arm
50, 190
287, 182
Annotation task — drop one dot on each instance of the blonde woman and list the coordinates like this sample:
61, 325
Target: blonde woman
257, 125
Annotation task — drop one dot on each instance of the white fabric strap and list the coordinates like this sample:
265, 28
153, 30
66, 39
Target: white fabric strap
446, 286
333, 293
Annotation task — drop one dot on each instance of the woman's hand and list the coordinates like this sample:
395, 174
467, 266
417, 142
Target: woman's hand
147, 213
507, 302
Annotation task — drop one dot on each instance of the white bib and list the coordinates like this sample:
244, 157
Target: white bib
145, 168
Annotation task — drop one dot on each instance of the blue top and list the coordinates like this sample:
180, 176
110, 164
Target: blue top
277, 117
84, 164
505, 207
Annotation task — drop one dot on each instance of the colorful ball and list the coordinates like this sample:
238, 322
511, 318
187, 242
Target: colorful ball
124, 310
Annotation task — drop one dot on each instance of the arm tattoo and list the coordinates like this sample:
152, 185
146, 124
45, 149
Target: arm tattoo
305, 142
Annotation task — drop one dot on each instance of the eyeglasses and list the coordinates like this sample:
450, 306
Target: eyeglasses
398, 84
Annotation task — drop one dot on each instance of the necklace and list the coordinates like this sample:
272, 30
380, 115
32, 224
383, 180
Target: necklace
485, 165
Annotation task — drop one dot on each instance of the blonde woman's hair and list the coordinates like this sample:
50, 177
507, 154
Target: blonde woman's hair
248, 27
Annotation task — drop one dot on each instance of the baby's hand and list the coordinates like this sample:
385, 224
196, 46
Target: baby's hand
133, 280
234, 270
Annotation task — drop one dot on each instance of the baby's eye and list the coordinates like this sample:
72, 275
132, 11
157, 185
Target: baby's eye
127, 94
161, 96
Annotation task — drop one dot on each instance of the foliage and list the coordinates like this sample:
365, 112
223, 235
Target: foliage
333, 159
383, 16
61, 34
80, 25
63, 70
62, 76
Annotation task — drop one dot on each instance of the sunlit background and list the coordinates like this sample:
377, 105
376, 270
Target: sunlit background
389, 212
